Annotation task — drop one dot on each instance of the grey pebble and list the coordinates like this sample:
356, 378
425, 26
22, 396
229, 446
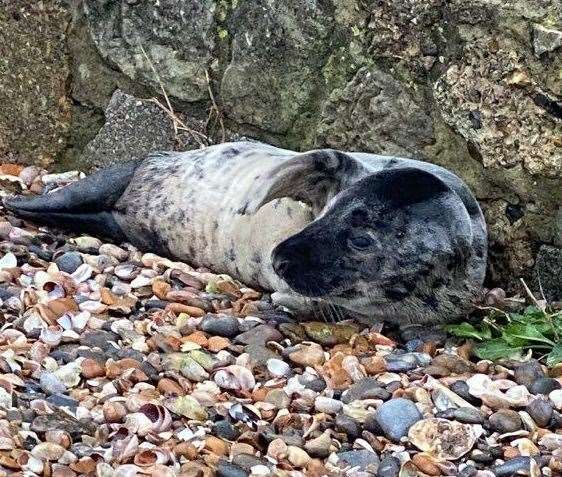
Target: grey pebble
260, 334
406, 361
528, 373
363, 459
61, 400
227, 469
505, 420
389, 467
468, 415
368, 388
348, 425
541, 411
544, 386
68, 262
51, 384
395, 417
512, 466
220, 325
226, 430
100, 339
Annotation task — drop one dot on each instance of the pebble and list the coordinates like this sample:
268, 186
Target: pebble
505, 420
51, 384
348, 425
467, 415
226, 430
544, 386
297, 456
368, 388
556, 398
541, 411
319, 446
407, 361
69, 262
527, 373
363, 459
279, 398
395, 417
327, 405
512, 467
260, 334
389, 467
226, 326
228, 469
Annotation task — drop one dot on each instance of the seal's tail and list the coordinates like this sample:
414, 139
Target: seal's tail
84, 206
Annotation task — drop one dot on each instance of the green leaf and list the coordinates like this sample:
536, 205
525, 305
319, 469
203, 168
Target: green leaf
466, 330
517, 334
555, 356
495, 349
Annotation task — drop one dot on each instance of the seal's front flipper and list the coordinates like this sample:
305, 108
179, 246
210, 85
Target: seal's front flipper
84, 206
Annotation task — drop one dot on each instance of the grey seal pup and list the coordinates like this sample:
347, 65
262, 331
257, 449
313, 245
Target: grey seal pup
382, 237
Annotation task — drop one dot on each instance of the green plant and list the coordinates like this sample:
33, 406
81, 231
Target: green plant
508, 335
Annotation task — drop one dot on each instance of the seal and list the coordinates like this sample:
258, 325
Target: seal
382, 237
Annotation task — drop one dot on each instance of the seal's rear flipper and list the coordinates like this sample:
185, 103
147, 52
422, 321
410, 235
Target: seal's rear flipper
84, 206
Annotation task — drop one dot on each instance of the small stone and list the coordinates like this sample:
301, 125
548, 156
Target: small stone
546, 39
395, 417
527, 373
318, 385
99, 339
389, 467
365, 460
216, 446
221, 325
462, 389
368, 388
348, 425
327, 405
307, 354
512, 467
541, 411
556, 398
228, 469
544, 386
297, 456
51, 384
260, 334
61, 400
217, 343
226, 430
505, 420
406, 362
278, 398
69, 262
319, 446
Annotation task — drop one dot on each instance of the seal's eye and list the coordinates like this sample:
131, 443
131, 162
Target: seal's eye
361, 242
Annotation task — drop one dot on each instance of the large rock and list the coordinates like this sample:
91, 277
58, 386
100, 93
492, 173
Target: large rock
34, 72
473, 85
165, 44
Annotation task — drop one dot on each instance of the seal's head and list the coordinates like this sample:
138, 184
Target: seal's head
396, 244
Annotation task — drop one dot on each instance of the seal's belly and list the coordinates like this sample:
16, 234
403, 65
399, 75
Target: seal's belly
190, 208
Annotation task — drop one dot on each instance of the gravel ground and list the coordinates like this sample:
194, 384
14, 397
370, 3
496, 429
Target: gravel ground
115, 362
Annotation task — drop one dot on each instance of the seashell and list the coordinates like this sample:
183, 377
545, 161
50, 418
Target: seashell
150, 457
80, 320
91, 306
124, 449
138, 423
186, 406
33, 322
51, 335
59, 437
9, 260
49, 451
141, 281
114, 411
126, 271
159, 415
82, 273
30, 463
442, 439
235, 377
69, 374
278, 368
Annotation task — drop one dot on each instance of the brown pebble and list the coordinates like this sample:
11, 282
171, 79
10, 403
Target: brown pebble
181, 308
114, 369
217, 343
169, 386
425, 464
374, 365
187, 450
216, 446
160, 288
92, 369
198, 337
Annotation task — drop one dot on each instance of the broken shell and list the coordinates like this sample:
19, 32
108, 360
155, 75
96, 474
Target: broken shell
159, 415
59, 437
138, 423
278, 367
149, 457
49, 451
235, 377
52, 335
114, 411
443, 439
